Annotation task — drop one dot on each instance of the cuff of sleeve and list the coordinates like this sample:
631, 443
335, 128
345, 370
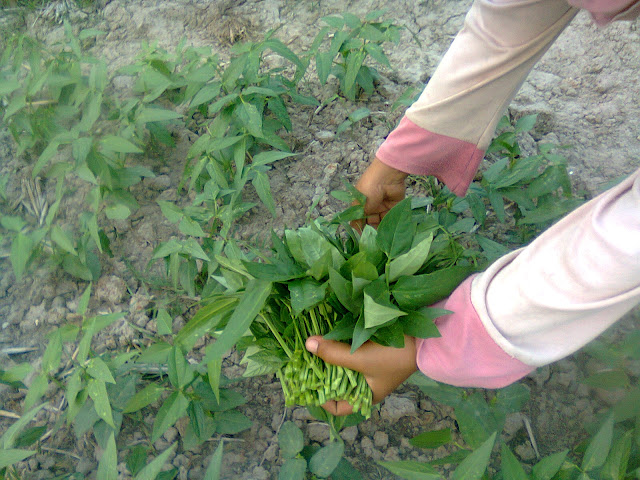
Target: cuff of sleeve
465, 355
412, 149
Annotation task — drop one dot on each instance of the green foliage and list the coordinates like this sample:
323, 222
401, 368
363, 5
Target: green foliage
353, 42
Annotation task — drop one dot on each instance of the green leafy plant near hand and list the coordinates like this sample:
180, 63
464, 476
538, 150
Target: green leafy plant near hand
352, 41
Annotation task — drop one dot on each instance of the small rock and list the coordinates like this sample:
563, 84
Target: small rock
260, 473
318, 432
111, 289
391, 455
34, 317
171, 434
161, 182
512, 424
525, 452
265, 432
325, 135
349, 434
369, 450
271, 453
395, 407
301, 413
380, 439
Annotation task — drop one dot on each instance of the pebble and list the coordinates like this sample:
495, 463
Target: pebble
525, 451
349, 434
395, 407
380, 439
111, 289
271, 453
318, 432
261, 473
369, 450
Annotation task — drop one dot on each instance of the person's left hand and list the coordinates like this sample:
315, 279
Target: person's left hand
384, 368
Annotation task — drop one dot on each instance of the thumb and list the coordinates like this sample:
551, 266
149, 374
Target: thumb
336, 353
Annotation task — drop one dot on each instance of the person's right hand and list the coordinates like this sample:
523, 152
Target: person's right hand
384, 187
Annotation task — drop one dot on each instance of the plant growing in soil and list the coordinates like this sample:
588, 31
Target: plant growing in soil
352, 41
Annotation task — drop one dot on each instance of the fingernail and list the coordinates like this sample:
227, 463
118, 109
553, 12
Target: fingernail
312, 345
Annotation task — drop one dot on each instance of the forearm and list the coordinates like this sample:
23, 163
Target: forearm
544, 302
446, 132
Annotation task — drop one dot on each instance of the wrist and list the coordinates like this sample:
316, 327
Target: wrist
388, 174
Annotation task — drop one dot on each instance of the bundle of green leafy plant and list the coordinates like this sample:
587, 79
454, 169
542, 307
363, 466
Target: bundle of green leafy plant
327, 279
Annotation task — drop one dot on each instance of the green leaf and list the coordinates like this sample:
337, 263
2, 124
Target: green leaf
420, 290
99, 370
9, 436
526, 123
546, 468
108, 466
98, 392
119, 145
171, 211
151, 471
410, 262
250, 118
119, 211
206, 94
204, 321
360, 334
180, 372
475, 419
21, 249
293, 469
261, 184
420, 323
512, 399
616, 465
84, 301
191, 228
305, 293
171, 411
36, 390
608, 380
53, 353
376, 51
511, 467
432, 439
376, 314
473, 467
324, 60
396, 230
215, 465
13, 455
325, 460
149, 394
231, 422
250, 305
354, 61
290, 440
214, 368
30, 436
599, 447
150, 114
412, 470
164, 322
343, 290
265, 158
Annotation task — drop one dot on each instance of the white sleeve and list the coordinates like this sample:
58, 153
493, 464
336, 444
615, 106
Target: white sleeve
552, 297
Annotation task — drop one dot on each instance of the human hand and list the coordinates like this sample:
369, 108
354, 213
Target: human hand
384, 368
384, 187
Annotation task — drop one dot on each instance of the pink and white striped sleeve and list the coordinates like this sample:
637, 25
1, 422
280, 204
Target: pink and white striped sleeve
543, 302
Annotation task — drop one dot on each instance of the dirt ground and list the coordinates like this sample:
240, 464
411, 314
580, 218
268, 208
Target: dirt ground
585, 91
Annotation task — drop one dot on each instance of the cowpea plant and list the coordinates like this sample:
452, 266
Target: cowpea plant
352, 41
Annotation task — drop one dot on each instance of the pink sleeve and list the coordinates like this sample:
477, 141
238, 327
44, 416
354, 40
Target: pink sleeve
465, 355
447, 130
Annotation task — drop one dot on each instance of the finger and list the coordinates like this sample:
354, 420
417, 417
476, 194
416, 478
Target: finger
338, 408
336, 353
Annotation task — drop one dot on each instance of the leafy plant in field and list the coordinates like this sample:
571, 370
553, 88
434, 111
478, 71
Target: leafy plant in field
56, 107
534, 190
352, 41
102, 392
